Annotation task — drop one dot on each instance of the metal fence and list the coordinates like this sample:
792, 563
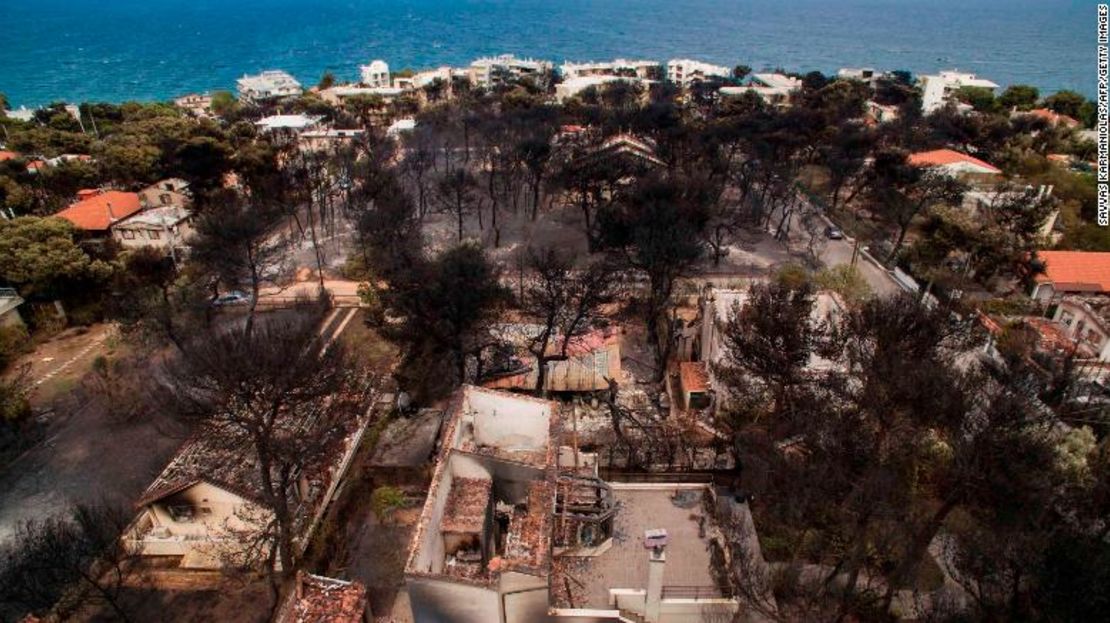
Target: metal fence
693, 592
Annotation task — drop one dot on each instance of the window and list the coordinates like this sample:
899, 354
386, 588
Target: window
1067, 318
127, 234
154, 235
165, 198
181, 513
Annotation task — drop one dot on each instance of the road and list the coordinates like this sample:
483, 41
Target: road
834, 253
839, 252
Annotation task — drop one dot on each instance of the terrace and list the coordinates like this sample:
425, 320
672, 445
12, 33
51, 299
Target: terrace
626, 575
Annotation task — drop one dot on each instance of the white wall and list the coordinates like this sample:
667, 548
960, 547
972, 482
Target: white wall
506, 421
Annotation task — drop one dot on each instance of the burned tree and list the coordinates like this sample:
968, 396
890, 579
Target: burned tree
656, 232
238, 243
566, 303
62, 563
769, 340
285, 402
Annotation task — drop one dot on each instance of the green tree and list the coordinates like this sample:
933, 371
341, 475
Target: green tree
846, 281
1020, 96
128, 159
39, 257
1067, 103
327, 81
202, 161
981, 98
223, 103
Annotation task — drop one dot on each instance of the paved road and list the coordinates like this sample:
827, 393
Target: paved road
839, 252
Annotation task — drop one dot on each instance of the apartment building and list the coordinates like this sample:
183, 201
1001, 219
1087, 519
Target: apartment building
685, 72
938, 89
268, 86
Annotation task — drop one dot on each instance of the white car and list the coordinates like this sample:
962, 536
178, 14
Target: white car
232, 298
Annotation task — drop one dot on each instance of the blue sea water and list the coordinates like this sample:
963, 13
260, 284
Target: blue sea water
116, 50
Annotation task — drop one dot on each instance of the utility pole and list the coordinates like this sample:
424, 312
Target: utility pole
855, 253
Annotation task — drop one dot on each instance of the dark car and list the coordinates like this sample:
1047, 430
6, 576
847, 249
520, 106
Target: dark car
834, 233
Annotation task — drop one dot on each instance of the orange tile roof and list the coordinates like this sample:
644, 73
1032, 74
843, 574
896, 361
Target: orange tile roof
1076, 271
1053, 117
694, 376
942, 157
93, 214
7, 155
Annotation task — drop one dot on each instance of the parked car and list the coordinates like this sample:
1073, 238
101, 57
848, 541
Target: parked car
232, 298
834, 233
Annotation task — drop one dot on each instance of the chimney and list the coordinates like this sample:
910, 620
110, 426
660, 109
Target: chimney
111, 215
655, 541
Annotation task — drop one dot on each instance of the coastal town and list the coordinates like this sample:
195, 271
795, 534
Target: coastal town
620, 341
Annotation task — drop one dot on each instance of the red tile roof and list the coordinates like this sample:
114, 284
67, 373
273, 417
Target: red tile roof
943, 157
8, 155
317, 599
1076, 271
97, 213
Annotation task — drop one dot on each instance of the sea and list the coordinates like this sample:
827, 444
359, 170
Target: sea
119, 50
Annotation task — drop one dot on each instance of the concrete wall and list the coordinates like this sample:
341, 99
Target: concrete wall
528, 606
673, 610
439, 601
429, 553
507, 421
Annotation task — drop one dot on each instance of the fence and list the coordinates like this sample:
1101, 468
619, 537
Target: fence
688, 477
282, 301
693, 592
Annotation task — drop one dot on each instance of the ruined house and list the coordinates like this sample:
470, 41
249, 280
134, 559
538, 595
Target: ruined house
207, 510
518, 528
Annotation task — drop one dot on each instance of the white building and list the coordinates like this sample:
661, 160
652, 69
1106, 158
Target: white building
684, 71
166, 228
937, 89
23, 114
339, 94
288, 123
863, 74
197, 104
573, 87
485, 72
268, 85
401, 126
376, 74
648, 70
773, 88
881, 113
